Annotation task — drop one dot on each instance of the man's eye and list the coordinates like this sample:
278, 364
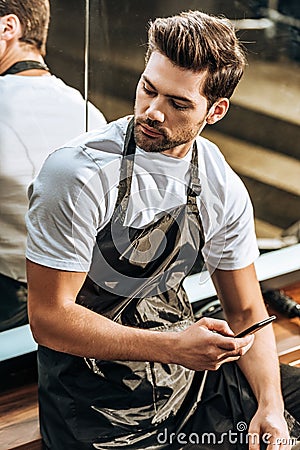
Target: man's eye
178, 106
147, 91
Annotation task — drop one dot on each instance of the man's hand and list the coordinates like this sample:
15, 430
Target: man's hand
272, 429
209, 343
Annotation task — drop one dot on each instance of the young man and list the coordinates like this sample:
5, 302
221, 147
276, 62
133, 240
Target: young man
115, 224
38, 113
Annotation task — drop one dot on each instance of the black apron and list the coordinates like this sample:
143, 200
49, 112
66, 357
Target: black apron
89, 401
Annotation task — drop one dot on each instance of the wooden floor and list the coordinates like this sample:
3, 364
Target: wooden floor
19, 425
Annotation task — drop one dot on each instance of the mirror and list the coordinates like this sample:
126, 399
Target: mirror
260, 133
66, 41
66, 60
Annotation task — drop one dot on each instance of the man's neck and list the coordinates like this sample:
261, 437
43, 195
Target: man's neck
16, 55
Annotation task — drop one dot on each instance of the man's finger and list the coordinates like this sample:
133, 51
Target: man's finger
234, 344
218, 325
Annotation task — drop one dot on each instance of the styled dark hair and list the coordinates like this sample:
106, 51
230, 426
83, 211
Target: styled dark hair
34, 17
197, 41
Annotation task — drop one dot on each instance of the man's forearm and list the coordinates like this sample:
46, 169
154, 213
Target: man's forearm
243, 304
261, 368
59, 323
74, 329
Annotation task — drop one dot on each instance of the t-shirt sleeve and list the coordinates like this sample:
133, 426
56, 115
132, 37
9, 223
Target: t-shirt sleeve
65, 211
230, 234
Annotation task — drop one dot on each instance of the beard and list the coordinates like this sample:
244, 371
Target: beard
164, 141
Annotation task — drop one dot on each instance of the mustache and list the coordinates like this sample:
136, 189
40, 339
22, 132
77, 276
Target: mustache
151, 123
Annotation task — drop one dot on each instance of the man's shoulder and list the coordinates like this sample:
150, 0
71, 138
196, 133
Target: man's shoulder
211, 159
103, 142
30, 85
21, 93
215, 169
94, 150
209, 150
109, 137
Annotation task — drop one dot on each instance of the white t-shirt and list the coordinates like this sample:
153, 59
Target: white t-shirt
75, 193
37, 115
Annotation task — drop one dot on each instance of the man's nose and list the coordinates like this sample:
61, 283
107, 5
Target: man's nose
155, 112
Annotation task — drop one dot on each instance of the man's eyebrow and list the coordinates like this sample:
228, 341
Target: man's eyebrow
177, 97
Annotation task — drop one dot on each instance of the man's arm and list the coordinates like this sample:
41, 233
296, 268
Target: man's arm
59, 323
240, 294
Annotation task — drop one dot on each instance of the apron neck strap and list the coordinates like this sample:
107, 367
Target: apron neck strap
194, 188
21, 66
126, 170
129, 143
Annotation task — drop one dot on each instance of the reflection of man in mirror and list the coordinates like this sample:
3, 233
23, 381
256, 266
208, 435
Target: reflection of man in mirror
115, 224
38, 113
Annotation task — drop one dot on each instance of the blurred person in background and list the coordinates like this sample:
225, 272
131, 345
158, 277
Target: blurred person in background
38, 113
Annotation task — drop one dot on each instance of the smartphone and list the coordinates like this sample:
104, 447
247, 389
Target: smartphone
255, 327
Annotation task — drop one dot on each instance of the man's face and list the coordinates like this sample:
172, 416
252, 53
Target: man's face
169, 109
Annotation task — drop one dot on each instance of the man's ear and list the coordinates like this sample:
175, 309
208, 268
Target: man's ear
217, 111
10, 27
